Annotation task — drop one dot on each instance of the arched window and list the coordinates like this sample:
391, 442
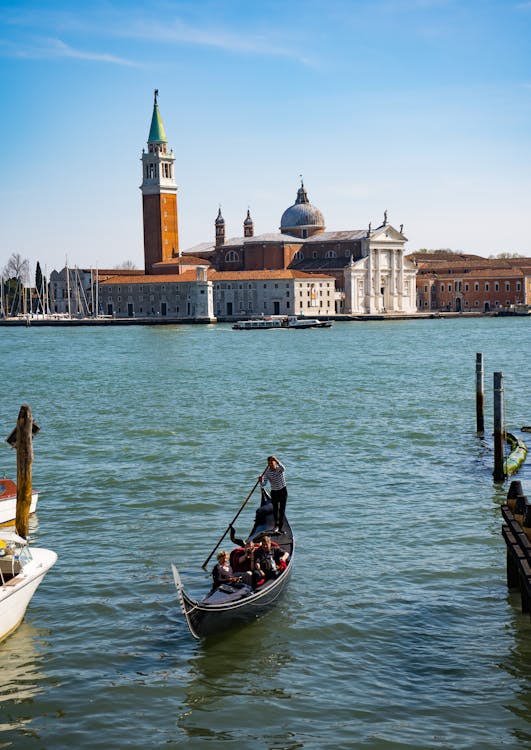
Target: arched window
231, 256
299, 255
331, 254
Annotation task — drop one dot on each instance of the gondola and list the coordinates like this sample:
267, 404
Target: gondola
228, 605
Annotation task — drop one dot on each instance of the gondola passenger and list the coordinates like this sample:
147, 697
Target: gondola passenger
270, 560
222, 572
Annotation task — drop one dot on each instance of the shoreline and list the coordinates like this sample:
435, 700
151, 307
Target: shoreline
78, 322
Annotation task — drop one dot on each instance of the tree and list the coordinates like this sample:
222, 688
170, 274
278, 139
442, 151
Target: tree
127, 265
17, 268
506, 255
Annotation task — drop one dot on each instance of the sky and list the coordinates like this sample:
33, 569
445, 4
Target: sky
421, 108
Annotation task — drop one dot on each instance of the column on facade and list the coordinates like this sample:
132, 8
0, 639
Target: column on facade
370, 281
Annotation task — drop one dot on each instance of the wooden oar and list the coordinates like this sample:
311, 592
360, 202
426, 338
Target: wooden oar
230, 524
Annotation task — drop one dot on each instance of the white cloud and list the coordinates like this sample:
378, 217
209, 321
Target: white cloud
56, 48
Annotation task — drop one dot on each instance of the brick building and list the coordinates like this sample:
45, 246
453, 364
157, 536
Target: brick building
468, 283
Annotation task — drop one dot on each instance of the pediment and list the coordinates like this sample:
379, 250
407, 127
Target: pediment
389, 233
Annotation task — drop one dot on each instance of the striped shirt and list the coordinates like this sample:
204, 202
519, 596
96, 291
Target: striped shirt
276, 477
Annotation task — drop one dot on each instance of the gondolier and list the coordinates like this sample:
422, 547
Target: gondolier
275, 474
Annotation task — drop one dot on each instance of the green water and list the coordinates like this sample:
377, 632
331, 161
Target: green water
397, 630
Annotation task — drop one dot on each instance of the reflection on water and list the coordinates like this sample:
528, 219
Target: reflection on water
21, 677
245, 667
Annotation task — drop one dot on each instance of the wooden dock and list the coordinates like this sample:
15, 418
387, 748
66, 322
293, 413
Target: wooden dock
516, 531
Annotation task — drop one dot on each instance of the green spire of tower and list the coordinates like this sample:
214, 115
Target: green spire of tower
156, 131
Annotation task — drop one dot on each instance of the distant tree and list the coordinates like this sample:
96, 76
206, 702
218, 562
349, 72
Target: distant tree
17, 268
427, 251
128, 265
505, 255
38, 277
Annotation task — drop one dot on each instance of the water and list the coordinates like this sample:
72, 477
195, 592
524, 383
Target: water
397, 630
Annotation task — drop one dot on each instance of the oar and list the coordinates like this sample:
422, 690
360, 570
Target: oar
231, 524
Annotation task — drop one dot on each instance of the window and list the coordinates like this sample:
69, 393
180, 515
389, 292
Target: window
315, 255
467, 287
299, 255
442, 287
331, 254
487, 286
496, 286
507, 286
232, 256
449, 287
476, 287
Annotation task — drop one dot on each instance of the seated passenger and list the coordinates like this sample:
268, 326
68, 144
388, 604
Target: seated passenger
245, 558
270, 561
222, 572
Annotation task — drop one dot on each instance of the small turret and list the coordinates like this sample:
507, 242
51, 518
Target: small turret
220, 229
248, 226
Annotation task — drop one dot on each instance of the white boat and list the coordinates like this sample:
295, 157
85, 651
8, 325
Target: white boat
294, 322
8, 501
258, 324
22, 568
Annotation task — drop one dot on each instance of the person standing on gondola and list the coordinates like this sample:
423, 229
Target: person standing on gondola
275, 474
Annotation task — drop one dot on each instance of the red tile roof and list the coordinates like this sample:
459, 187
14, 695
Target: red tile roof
187, 276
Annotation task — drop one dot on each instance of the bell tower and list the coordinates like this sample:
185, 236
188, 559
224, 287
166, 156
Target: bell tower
159, 196
220, 229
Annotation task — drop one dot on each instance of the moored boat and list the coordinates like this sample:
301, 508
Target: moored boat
8, 501
22, 569
227, 605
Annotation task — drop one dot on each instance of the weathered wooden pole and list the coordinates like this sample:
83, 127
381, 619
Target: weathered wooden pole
499, 428
480, 399
24, 448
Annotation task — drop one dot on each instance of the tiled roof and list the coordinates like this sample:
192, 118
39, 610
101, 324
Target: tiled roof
289, 273
183, 260
340, 236
187, 276
203, 247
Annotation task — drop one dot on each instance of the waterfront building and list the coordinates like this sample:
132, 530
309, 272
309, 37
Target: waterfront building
73, 291
460, 282
301, 269
368, 267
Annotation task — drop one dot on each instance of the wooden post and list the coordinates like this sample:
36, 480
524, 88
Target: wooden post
480, 399
499, 428
24, 464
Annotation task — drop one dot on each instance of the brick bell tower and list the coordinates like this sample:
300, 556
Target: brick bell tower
159, 196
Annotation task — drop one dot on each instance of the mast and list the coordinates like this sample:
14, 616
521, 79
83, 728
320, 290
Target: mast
68, 288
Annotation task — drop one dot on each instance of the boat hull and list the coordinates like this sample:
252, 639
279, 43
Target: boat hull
16, 594
8, 501
204, 620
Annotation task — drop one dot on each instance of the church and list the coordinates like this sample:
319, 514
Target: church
301, 269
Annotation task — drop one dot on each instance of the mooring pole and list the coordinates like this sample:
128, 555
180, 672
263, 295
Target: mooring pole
499, 428
480, 399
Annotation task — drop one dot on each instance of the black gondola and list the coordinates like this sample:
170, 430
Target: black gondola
228, 605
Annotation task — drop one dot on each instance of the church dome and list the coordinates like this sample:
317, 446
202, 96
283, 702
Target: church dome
302, 216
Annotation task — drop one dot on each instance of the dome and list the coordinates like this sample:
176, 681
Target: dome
302, 215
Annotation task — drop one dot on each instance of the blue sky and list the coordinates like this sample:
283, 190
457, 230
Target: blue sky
420, 107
